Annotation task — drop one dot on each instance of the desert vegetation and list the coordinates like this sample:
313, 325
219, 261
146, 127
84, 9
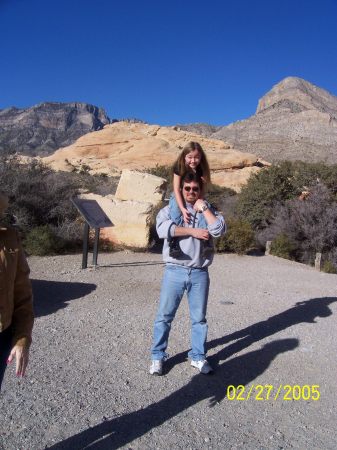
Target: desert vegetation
40, 204
292, 204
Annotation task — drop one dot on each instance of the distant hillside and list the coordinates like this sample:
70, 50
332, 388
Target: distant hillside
43, 128
295, 120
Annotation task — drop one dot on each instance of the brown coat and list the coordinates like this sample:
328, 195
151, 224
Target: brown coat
16, 300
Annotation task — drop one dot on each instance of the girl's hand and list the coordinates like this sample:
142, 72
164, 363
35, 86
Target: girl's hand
186, 215
21, 355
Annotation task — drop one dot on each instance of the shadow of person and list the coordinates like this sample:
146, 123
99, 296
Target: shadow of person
50, 296
117, 432
240, 370
303, 312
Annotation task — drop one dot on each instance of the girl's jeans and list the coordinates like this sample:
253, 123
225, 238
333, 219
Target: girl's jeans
176, 280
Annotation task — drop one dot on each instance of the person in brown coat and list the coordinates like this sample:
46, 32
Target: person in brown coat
16, 300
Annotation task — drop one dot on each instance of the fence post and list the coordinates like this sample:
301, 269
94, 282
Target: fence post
318, 261
268, 248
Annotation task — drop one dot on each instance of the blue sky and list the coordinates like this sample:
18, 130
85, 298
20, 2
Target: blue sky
163, 62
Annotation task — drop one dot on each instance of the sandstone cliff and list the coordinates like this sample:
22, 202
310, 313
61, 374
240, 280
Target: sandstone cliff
137, 146
42, 129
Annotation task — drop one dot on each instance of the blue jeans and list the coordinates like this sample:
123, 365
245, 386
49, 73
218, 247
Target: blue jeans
177, 216
176, 280
5, 348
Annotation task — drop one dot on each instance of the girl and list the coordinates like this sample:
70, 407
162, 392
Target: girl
192, 158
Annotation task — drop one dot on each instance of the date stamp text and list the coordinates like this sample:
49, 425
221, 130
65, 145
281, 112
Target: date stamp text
264, 392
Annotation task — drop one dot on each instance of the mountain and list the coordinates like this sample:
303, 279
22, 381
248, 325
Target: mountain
295, 120
43, 128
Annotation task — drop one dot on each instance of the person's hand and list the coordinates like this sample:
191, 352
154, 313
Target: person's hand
21, 355
199, 205
186, 215
200, 233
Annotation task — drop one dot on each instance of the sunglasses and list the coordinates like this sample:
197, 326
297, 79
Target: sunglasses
194, 189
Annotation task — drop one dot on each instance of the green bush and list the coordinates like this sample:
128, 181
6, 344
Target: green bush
239, 238
41, 241
283, 247
329, 267
262, 192
275, 185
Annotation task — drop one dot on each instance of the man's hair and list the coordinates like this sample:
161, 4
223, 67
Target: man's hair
188, 177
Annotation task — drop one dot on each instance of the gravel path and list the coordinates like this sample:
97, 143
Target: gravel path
271, 322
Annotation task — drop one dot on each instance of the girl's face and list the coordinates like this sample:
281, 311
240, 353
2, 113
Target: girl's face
192, 159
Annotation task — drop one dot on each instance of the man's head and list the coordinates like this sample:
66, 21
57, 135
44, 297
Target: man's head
191, 185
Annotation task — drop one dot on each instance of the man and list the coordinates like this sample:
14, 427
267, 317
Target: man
186, 272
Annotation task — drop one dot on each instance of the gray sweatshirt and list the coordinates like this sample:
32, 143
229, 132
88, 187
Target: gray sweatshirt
189, 245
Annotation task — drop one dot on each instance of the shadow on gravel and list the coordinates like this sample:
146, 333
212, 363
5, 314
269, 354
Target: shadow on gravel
118, 432
303, 312
240, 370
50, 296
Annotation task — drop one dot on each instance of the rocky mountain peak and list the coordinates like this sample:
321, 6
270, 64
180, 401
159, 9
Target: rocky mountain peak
43, 128
298, 95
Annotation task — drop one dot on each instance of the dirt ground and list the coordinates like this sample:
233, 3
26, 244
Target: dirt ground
272, 340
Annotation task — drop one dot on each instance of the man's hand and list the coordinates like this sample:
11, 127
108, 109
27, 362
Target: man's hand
200, 233
21, 356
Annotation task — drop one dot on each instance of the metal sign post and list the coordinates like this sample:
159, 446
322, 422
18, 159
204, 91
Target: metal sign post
94, 217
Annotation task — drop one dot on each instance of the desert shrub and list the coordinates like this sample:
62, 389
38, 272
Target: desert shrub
163, 172
160, 171
283, 247
262, 192
308, 174
40, 196
311, 225
220, 197
274, 186
329, 267
239, 238
41, 241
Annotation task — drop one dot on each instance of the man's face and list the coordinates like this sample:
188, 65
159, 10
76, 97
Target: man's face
191, 192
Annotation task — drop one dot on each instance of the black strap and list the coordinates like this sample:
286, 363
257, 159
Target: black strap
169, 236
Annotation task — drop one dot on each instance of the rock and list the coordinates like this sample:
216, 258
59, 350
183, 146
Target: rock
234, 179
43, 128
138, 146
130, 220
131, 208
141, 187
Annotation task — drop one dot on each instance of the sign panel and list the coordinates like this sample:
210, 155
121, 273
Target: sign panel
92, 213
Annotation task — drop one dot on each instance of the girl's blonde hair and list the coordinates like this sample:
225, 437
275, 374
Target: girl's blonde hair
180, 164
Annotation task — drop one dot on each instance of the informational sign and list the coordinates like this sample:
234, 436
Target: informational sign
94, 217
92, 213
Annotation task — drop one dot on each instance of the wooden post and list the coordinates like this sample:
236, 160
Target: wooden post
318, 261
268, 248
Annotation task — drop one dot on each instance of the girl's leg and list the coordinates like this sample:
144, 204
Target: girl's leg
175, 212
